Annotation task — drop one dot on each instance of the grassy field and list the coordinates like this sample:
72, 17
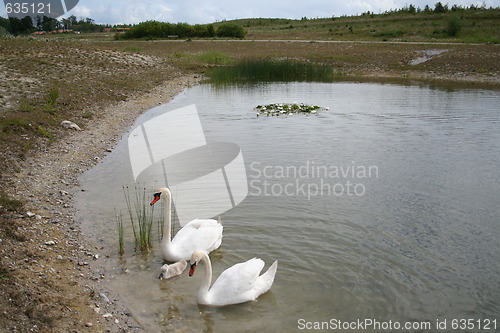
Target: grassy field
475, 26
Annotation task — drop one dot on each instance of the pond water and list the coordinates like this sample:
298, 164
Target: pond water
385, 207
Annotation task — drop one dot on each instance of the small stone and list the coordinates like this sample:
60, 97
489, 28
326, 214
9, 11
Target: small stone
30, 214
89, 324
107, 315
50, 243
104, 298
70, 124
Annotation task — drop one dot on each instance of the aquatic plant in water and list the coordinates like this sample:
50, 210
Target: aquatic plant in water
279, 109
121, 234
270, 70
141, 218
140, 212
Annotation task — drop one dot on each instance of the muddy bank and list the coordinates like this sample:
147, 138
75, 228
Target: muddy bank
46, 266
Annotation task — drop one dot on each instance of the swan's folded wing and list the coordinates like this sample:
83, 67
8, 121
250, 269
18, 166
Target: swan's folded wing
199, 235
194, 225
236, 284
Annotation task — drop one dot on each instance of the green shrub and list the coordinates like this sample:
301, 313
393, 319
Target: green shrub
231, 30
453, 25
155, 30
4, 33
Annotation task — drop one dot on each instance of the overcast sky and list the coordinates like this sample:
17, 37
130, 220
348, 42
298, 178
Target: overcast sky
208, 11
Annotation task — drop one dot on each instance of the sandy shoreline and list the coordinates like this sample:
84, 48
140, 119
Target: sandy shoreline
62, 255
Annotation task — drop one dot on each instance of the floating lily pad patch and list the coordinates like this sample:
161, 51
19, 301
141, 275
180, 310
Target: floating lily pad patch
283, 109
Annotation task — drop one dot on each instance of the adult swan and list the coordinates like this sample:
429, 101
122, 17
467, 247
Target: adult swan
197, 234
237, 284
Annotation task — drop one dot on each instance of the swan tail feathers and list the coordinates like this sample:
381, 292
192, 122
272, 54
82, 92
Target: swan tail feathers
265, 281
271, 272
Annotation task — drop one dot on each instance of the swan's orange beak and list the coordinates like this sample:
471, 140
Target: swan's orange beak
156, 198
191, 270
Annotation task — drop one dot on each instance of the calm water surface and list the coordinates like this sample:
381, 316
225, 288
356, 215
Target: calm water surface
384, 207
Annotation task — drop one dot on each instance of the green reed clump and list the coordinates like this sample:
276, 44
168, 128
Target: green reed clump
271, 70
141, 218
121, 234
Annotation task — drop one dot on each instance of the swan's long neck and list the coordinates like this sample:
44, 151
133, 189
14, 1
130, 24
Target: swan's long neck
167, 229
207, 281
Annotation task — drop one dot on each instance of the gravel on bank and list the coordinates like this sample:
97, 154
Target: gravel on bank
48, 279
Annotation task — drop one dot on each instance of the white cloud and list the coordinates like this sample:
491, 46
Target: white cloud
80, 11
208, 11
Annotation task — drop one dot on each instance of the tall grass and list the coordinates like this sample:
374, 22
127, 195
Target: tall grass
9, 204
141, 218
52, 95
133, 49
50, 100
285, 70
214, 58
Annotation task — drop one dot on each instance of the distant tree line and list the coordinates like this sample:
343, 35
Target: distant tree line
159, 30
29, 24
438, 8
148, 29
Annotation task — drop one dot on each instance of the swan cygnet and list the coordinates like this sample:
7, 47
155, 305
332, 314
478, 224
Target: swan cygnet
169, 271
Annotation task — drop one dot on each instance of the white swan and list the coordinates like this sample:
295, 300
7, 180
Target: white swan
197, 234
237, 284
169, 271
